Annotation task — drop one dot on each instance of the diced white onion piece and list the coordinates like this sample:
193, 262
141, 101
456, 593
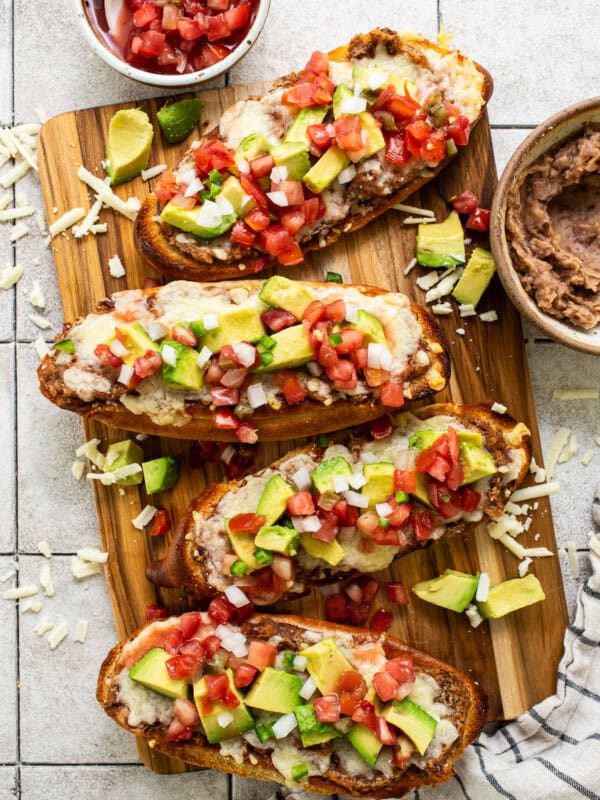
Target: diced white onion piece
242, 165
357, 480
308, 524
187, 177
347, 174
236, 597
356, 499
474, 616
224, 205
498, 408
340, 484
256, 395
245, 353
314, 368
210, 215
405, 459
300, 663
204, 357
195, 186
351, 312
145, 516
224, 719
125, 375
368, 458
227, 454
169, 355
302, 479
386, 360
278, 174
483, 588
285, 725
488, 316
374, 353
278, 199
308, 689
383, 509
376, 79
118, 349
210, 322
353, 105
156, 330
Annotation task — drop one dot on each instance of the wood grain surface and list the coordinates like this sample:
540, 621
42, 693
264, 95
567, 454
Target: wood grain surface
514, 659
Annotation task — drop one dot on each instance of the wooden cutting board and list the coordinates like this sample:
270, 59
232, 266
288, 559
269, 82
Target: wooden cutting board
515, 659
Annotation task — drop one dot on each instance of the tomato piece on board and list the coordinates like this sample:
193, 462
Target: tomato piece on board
381, 620
466, 202
479, 220
396, 593
155, 612
161, 523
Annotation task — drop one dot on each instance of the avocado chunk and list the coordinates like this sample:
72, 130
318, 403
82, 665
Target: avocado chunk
380, 481
312, 731
294, 157
413, 720
441, 244
134, 337
292, 349
424, 439
276, 690
237, 324
151, 672
452, 590
323, 475
121, 454
283, 293
179, 119
279, 539
370, 327
420, 491
274, 497
325, 171
190, 220
476, 463
363, 740
130, 135
253, 145
186, 374
209, 712
306, 116
374, 138
243, 546
325, 663
476, 278
331, 553
160, 474
509, 596
341, 93
232, 191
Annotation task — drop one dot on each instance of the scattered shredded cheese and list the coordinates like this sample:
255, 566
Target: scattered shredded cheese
587, 457
483, 588
444, 287
44, 548
442, 309
59, 633
116, 268
27, 590
41, 347
40, 322
428, 280
499, 408
19, 231
6, 576
152, 172
10, 276
36, 296
90, 219
68, 219
594, 543
560, 440
575, 394
422, 212
569, 450
84, 569
77, 469
506, 524
473, 615
533, 492
418, 220
101, 227
467, 310
410, 266
81, 629
46, 581
488, 316
14, 174
11, 214
128, 208
31, 606
460, 331
145, 516
573, 560
93, 555
43, 626
523, 567
90, 451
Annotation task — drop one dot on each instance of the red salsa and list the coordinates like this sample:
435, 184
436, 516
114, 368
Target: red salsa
173, 37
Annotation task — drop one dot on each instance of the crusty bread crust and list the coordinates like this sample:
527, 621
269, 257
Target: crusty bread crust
310, 415
464, 697
165, 257
183, 566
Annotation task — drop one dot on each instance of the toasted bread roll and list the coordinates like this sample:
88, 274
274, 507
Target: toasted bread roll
443, 711
362, 524
384, 79
223, 361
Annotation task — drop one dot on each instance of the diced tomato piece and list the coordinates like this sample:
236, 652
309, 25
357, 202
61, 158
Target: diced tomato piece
389, 536
365, 714
369, 587
151, 44
242, 234
348, 704
155, 612
396, 151
381, 428
318, 62
238, 17
403, 751
216, 685
466, 202
359, 357
178, 732
352, 682
194, 648
217, 28
300, 505
392, 394
191, 29
291, 256
400, 513
351, 341
213, 154
358, 612
161, 523
249, 523
385, 685
292, 220
257, 220
144, 15
293, 190
189, 623
384, 732
314, 312
348, 133
276, 319
226, 420
185, 712
336, 311
405, 481
459, 131
396, 593
423, 523
342, 370
438, 467
167, 187
479, 220
313, 208
401, 669
276, 239
244, 675
381, 620
327, 532
180, 666
376, 377
262, 166
211, 644
455, 477
261, 655
469, 499
443, 500
209, 54
327, 357
327, 708
308, 94
217, 5
220, 610
348, 515
337, 607
106, 357
433, 149
319, 135
172, 640
224, 396
419, 130
246, 433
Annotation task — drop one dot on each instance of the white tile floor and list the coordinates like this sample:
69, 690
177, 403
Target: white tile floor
65, 748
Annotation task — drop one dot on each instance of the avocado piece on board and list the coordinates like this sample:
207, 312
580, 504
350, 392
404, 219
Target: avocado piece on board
185, 373
342, 92
476, 463
209, 712
313, 732
452, 590
441, 244
313, 115
275, 690
179, 119
325, 663
370, 327
273, 500
331, 553
476, 278
281, 292
134, 337
380, 481
189, 220
294, 157
278, 539
151, 672
160, 474
323, 475
412, 720
374, 138
509, 596
232, 191
326, 169
365, 742
252, 146
292, 349
237, 324
121, 454
130, 135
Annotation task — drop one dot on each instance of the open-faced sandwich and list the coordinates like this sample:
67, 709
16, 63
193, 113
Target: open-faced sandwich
322, 514
328, 709
222, 361
322, 153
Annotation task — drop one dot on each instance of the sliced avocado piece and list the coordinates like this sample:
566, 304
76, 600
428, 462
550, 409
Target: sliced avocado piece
209, 712
292, 349
237, 324
306, 116
363, 740
374, 138
283, 293
412, 720
151, 672
323, 475
370, 326
276, 690
187, 220
130, 135
380, 481
331, 553
421, 440
452, 590
476, 278
278, 539
420, 491
441, 244
509, 596
136, 340
243, 546
341, 93
325, 663
312, 731
126, 452
160, 474
186, 374
252, 146
476, 463
294, 157
179, 119
232, 191
274, 497
325, 171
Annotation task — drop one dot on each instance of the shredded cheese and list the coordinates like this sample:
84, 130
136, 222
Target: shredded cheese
575, 394
594, 543
81, 629
84, 569
36, 296
116, 268
10, 276
64, 222
128, 208
460, 331
428, 280
19, 231
44, 548
90, 219
77, 469
473, 615
57, 635
442, 309
587, 457
488, 316
46, 581
499, 408
145, 516
14, 174
153, 172
467, 310
101, 227
31, 606
558, 443
43, 626
506, 524
410, 266
573, 560
19, 592
93, 555
422, 212
418, 220
483, 588
523, 567
444, 287
11, 214
533, 492
40, 322
90, 451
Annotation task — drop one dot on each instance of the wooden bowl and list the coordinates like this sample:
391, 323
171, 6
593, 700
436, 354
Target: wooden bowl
545, 137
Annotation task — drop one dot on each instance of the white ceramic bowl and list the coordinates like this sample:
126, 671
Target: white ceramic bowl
171, 81
545, 137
